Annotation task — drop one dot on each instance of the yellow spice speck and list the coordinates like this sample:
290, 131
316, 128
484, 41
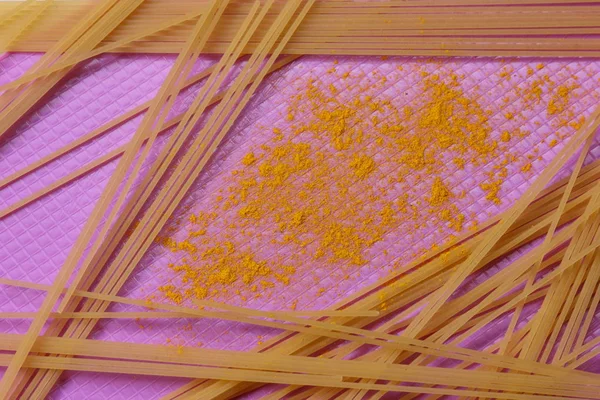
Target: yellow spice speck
249, 159
362, 165
439, 193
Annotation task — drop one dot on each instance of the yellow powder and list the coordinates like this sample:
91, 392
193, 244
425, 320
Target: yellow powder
553, 108
342, 243
445, 214
249, 159
220, 266
459, 162
560, 100
298, 218
362, 165
335, 124
529, 71
458, 222
387, 215
492, 188
532, 95
505, 72
577, 124
304, 192
440, 194
449, 120
249, 212
171, 293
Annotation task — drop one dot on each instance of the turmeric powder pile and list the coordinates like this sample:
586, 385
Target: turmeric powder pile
351, 168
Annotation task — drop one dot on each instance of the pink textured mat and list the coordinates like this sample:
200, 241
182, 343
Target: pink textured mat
35, 240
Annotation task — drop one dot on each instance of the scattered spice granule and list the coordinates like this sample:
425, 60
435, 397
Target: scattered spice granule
249, 212
456, 220
171, 293
505, 72
343, 243
578, 123
526, 167
249, 159
492, 188
560, 100
362, 165
307, 194
529, 71
440, 193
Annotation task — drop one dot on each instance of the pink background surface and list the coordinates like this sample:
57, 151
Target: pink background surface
35, 240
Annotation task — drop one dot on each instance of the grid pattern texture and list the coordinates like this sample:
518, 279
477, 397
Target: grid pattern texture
35, 241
